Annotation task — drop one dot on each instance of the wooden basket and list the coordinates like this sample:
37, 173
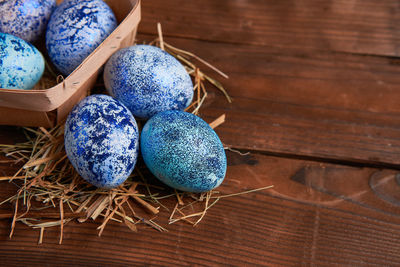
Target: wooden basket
50, 106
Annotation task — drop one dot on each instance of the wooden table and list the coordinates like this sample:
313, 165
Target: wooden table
316, 92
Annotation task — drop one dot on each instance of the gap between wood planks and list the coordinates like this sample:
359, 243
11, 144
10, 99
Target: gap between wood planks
345, 162
314, 49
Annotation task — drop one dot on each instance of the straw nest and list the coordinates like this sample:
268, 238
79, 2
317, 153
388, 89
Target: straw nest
52, 194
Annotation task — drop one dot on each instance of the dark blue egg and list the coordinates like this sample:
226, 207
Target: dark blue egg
21, 64
102, 140
75, 30
26, 19
183, 151
148, 80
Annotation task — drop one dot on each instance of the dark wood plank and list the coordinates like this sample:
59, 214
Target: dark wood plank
302, 102
317, 214
367, 27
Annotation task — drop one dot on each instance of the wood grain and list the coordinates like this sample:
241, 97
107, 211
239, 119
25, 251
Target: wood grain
306, 103
304, 85
366, 27
295, 223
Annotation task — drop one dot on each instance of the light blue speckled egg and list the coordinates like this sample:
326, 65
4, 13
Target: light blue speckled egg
21, 64
75, 30
183, 151
102, 140
148, 80
26, 19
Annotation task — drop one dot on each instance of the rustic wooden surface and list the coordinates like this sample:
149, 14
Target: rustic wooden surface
315, 90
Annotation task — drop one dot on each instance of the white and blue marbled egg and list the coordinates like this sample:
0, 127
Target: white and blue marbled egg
26, 19
148, 80
21, 64
76, 28
102, 140
183, 151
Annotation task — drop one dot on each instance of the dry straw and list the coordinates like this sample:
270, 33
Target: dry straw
52, 194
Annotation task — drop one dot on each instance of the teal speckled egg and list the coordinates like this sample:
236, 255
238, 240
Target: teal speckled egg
21, 64
183, 151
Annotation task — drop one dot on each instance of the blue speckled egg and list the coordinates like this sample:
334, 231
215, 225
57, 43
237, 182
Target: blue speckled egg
148, 80
183, 151
102, 140
21, 64
75, 30
26, 19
